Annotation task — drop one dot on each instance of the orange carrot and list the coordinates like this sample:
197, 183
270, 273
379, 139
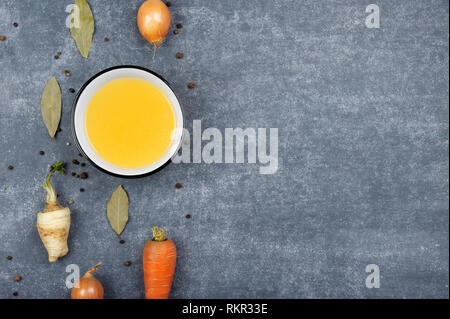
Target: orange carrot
159, 259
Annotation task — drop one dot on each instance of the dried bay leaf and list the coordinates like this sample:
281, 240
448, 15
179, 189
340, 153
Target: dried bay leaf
82, 26
51, 106
117, 210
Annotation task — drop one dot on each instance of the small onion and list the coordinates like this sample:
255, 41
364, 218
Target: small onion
88, 287
153, 21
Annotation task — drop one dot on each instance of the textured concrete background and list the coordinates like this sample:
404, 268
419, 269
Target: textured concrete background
363, 150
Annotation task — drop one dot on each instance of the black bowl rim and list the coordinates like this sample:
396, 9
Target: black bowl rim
74, 106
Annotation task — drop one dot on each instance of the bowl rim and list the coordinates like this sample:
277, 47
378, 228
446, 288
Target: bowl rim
75, 137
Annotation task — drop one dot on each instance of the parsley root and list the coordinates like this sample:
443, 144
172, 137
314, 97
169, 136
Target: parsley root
53, 222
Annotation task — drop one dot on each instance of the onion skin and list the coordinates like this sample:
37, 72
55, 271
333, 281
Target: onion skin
88, 287
153, 20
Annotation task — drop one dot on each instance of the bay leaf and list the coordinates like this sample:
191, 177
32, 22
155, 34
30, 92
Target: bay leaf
82, 26
51, 106
117, 210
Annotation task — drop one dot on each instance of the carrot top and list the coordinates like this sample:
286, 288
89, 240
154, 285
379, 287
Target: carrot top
159, 234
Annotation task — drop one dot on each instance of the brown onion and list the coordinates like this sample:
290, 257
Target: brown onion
153, 20
88, 287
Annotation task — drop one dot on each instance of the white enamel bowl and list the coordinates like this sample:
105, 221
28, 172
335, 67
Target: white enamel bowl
79, 114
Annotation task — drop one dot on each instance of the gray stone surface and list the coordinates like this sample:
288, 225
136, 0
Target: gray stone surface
363, 150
